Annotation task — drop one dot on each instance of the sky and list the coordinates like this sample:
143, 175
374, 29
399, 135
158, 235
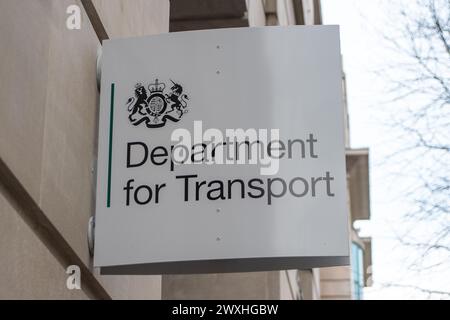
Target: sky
364, 53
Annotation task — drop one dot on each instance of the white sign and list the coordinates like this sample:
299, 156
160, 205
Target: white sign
221, 150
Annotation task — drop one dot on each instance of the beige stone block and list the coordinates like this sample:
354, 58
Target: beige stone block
250, 285
336, 298
341, 288
70, 128
28, 269
24, 33
124, 18
132, 287
341, 273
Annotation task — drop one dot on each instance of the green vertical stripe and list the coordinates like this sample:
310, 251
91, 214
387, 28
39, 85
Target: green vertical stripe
111, 123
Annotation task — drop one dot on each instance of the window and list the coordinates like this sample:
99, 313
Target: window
357, 271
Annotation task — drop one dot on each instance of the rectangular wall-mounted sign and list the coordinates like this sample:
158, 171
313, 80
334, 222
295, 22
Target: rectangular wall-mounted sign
221, 151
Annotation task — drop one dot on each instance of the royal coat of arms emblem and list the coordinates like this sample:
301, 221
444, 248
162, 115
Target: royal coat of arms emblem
154, 107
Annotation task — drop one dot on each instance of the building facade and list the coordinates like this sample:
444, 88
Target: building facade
48, 137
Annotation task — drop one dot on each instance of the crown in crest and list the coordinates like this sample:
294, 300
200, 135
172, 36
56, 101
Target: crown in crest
156, 86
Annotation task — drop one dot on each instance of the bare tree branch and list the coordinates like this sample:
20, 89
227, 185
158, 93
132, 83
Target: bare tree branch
429, 292
419, 101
